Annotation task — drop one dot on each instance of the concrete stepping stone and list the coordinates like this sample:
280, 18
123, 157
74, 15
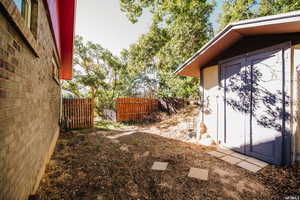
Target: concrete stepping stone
240, 156
161, 166
231, 159
216, 154
226, 151
257, 162
249, 166
198, 173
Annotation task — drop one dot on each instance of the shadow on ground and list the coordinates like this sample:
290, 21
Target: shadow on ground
88, 165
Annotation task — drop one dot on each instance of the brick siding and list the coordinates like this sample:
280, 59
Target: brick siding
29, 101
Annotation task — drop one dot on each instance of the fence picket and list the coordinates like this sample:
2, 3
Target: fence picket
77, 113
131, 108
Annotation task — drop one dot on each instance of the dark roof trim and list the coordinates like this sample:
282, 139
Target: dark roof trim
243, 24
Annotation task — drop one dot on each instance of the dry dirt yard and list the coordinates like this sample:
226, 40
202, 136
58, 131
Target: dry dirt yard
89, 165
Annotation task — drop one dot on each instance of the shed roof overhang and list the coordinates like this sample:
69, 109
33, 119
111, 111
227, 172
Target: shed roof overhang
275, 24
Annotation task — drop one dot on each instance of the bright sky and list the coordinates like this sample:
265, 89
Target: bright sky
101, 21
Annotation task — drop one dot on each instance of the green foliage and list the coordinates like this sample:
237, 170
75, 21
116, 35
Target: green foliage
270, 7
97, 73
179, 28
234, 10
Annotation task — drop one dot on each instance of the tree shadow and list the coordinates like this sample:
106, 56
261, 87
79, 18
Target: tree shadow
253, 98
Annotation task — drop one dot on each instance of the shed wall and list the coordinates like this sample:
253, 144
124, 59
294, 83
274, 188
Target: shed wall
210, 110
213, 120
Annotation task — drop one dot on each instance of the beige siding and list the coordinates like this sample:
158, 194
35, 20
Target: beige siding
210, 111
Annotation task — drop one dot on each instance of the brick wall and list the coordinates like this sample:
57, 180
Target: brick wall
29, 101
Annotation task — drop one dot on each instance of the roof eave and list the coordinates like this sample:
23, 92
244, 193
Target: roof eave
236, 26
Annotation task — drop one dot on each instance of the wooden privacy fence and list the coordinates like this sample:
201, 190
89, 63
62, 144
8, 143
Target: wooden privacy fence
77, 113
131, 108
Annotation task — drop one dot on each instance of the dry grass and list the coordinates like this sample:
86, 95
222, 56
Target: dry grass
87, 165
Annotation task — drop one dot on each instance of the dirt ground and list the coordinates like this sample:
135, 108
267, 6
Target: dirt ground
88, 165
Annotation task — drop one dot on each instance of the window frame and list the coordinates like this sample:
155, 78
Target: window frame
26, 12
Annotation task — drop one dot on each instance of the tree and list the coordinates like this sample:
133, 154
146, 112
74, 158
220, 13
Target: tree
271, 7
98, 74
179, 28
235, 10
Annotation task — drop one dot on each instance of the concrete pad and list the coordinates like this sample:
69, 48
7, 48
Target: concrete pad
159, 166
240, 156
231, 159
197, 173
249, 166
257, 162
226, 151
216, 154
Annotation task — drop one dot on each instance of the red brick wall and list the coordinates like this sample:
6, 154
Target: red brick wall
29, 101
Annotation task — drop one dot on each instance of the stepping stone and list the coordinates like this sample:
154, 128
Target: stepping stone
257, 162
249, 166
226, 151
216, 154
240, 156
159, 166
197, 173
231, 159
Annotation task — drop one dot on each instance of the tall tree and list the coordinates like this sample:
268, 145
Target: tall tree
271, 7
98, 74
179, 28
234, 10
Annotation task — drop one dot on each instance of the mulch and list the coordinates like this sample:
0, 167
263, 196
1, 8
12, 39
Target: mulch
87, 165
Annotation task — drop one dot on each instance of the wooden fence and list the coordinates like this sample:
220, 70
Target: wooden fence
77, 113
131, 108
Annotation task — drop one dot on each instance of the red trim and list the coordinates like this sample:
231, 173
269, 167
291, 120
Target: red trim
62, 16
67, 26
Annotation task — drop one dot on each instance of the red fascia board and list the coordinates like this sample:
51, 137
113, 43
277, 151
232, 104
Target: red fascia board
67, 27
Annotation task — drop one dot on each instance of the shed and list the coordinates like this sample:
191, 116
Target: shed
249, 81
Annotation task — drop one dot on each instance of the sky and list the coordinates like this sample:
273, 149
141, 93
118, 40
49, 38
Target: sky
101, 21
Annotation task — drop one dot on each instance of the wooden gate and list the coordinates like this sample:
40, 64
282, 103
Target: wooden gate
131, 108
77, 113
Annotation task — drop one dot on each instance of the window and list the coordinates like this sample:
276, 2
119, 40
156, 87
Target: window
24, 6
